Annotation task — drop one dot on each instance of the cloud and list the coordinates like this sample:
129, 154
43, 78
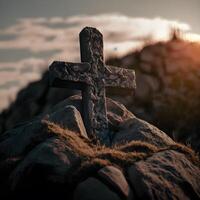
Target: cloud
60, 35
37, 34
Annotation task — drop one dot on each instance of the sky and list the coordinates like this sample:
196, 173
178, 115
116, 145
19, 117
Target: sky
33, 33
182, 10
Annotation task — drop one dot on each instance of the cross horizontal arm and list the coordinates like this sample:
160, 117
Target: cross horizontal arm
61, 72
119, 77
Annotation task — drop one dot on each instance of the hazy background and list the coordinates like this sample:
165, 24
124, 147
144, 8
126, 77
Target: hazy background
34, 33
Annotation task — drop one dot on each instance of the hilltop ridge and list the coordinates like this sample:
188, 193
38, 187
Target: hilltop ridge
52, 157
167, 94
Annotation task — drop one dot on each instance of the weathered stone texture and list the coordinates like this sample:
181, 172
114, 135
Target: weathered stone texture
91, 77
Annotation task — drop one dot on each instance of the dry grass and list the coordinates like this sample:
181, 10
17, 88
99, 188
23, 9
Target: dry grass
77, 144
188, 152
137, 146
94, 157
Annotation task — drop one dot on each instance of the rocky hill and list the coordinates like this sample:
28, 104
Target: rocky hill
51, 157
45, 151
167, 94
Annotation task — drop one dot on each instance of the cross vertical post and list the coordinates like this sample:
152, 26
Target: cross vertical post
91, 46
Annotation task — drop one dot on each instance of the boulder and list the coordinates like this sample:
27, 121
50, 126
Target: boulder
115, 178
125, 125
69, 118
53, 157
136, 129
117, 112
165, 175
32, 133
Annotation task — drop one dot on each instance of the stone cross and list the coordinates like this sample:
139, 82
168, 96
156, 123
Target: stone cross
91, 76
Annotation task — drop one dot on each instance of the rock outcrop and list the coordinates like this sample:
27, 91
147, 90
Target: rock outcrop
52, 157
168, 88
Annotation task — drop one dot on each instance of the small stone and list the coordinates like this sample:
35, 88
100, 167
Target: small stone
68, 118
93, 189
116, 179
